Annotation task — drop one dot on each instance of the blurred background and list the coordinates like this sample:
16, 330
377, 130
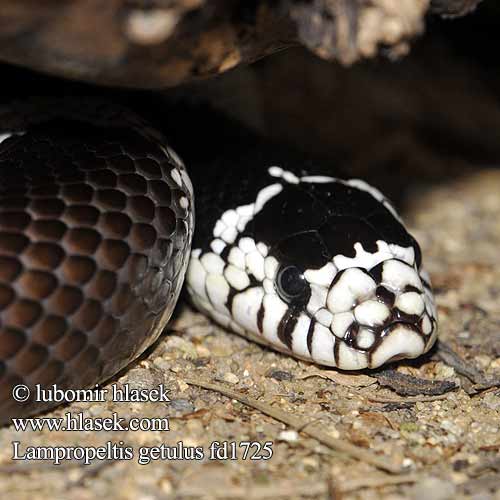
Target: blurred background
429, 115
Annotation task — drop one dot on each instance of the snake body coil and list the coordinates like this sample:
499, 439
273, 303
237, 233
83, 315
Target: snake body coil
96, 222
95, 231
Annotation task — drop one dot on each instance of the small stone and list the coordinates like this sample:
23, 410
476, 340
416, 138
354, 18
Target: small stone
491, 401
231, 378
279, 375
166, 486
182, 385
433, 488
289, 436
182, 405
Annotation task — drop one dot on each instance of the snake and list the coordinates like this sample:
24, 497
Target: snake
97, 237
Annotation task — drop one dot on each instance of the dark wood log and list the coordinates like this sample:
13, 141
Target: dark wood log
163, 43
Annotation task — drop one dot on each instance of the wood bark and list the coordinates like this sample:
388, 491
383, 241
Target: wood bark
163, 43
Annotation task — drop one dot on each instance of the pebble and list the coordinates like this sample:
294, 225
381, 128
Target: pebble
279, 375
289, 436
182, 405
231, 378
433, 488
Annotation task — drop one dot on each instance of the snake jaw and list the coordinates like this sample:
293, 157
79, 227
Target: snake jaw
380, 314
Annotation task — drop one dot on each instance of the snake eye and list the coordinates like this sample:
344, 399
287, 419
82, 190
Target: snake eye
291, 285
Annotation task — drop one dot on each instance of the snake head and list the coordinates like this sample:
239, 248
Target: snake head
320, 268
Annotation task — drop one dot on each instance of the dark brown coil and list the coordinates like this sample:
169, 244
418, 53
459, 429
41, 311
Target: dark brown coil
95, 231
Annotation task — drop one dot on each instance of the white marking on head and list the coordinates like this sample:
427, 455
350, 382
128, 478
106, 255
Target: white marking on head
246, 244
246, 307
324, 316
351, 359
406, 254
364, 186
262, 248
265, 195
371, 313
255, 264
274, 310
268, 285
212, 263
341, 323
322, 345
245, 210
287, 176
217, 246
318, 298
230, 218
365, 338
410, 303
236, 257
354, 285
299, 337
275, 171
401, 341
219, 228
196, 276
319, 179
322, 276
237, 278
398, 275
367, 260
218, 291
229, 234
271, 266
426, 325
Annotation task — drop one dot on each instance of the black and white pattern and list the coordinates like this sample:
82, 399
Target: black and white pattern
320, 268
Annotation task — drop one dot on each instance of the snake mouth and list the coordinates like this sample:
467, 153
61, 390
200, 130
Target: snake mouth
396, 341
379, 315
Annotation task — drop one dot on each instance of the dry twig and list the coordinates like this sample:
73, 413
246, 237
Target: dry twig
302, 425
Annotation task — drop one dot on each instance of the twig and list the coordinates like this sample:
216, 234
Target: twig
298, 423
407, 385
451, 358
414, 399
378, 482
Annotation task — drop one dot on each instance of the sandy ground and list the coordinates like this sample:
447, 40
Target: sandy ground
447, 447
